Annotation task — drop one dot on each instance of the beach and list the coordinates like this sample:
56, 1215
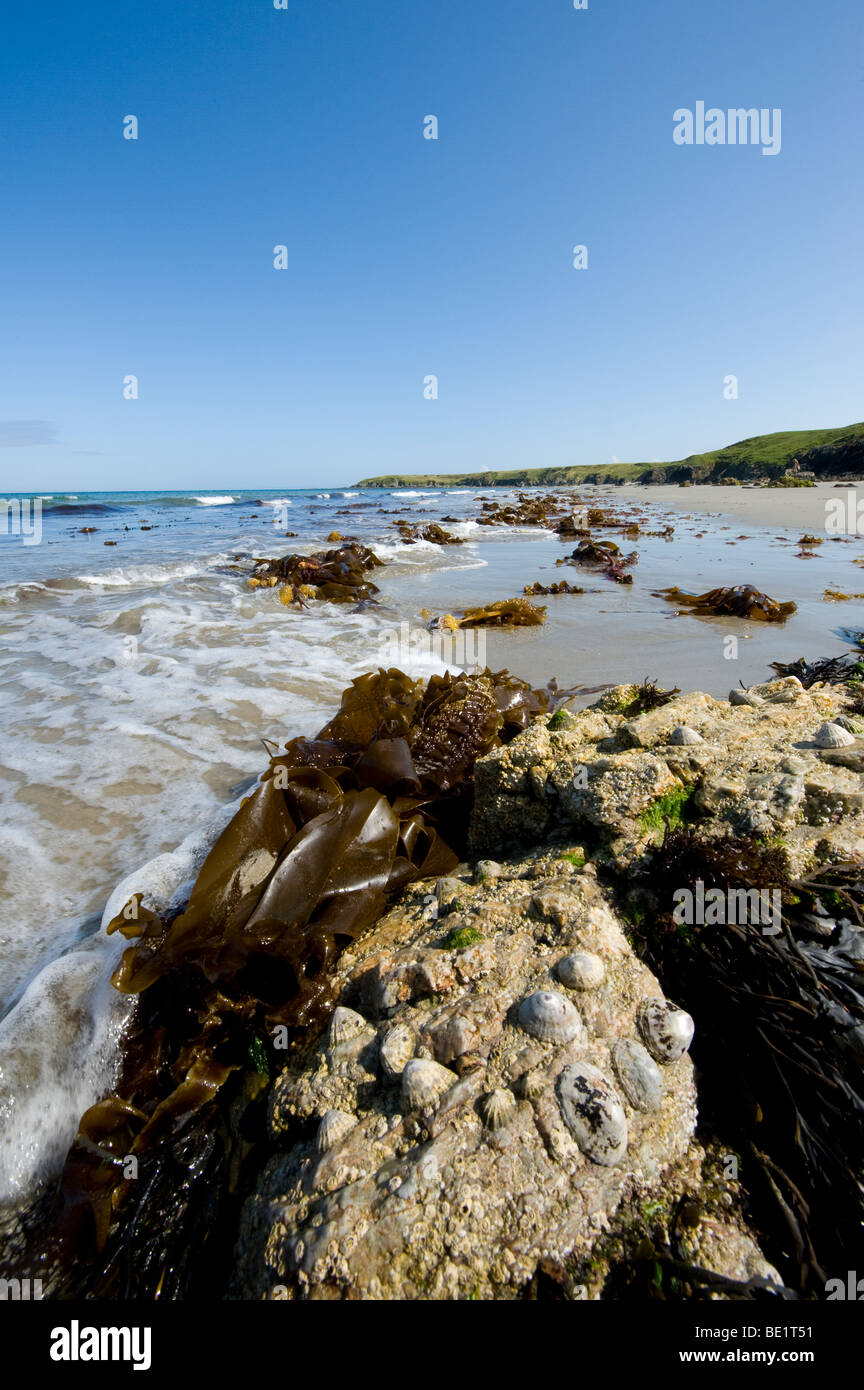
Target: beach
141, 681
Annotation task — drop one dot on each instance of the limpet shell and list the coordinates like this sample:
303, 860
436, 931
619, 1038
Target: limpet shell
498, 1108
581, 970
744, 697
345, 1025
594, 1113
639, 1075
666, 1029
335, 1126
397, 1049
833, 736
550, 1017
424, 1083
682, 734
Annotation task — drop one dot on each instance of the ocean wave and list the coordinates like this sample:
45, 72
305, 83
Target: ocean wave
82, 509
214, 501
142, 574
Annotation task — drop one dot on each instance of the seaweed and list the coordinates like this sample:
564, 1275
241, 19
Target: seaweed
780, 1020
647, 696
605, 553
562, 587
832, 670
337, 824
743, 601
506, 612
436, 534
340, 576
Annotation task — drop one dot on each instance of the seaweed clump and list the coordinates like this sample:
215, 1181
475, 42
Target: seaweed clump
337, 824
743, 601
606, 554
780, 1037
340, 576
410, 533
562, 587
647, 696
506, 612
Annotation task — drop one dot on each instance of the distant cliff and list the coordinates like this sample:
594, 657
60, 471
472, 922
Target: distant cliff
827, 454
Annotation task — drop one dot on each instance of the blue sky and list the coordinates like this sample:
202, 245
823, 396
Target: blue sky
409, 257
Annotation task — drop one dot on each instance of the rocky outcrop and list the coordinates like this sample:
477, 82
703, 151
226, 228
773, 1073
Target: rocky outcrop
502, 1075
503, 1088
755, 765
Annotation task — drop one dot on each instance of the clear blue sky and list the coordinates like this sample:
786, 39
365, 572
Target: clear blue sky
409, 257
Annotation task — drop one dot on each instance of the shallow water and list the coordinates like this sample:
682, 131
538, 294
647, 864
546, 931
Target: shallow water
138, 680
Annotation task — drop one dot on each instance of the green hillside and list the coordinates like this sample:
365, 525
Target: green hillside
834, 453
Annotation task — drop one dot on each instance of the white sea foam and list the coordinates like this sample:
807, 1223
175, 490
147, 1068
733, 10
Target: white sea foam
59, 1045
127, 576
213, 501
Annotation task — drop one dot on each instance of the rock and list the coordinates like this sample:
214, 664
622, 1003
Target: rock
450, 893
486, 869
465, 1197
555, 905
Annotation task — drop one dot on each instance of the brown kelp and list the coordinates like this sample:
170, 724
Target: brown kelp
410, 532
781, 1034
337, 824
606, 554
742, 601
506, 612
538, 590
340, 576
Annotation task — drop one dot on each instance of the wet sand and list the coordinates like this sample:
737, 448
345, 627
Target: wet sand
761, 506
